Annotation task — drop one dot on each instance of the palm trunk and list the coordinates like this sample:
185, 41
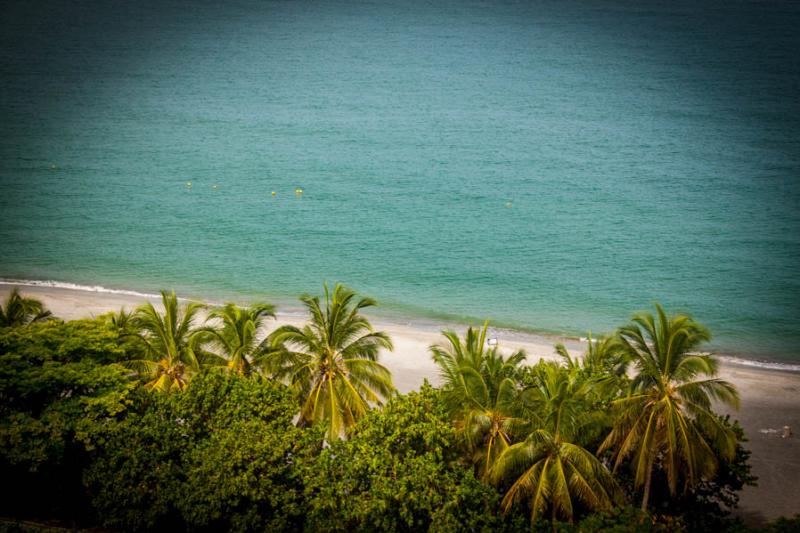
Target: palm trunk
647, 480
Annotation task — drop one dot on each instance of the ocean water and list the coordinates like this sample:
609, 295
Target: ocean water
552, 166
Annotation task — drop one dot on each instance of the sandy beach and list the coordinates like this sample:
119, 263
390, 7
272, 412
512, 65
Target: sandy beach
770, 399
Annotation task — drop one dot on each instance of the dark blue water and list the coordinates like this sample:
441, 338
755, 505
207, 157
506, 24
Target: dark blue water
553, 166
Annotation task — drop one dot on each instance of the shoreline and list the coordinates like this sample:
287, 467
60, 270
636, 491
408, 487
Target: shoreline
293, 310
770, 397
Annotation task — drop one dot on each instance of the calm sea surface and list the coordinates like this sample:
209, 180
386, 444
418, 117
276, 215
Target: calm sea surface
553, 166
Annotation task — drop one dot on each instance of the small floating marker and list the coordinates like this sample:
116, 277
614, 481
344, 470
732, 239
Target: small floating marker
52, 167
273, 193
298, 191
189, 184
509, 204
215, 187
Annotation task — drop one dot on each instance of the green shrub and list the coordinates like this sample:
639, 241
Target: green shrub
222, 455
399, 471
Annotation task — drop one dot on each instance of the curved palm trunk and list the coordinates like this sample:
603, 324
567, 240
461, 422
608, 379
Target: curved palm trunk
648, 480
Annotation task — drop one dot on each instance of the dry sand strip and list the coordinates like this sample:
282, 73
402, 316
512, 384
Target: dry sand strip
770, 399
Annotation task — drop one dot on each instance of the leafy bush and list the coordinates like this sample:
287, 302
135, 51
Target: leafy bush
222, 455
399, 471
54, 340
54, 389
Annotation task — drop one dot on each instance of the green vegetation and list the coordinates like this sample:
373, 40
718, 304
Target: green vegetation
332, 363
550, 467
223, 455
237, 338
18, 311
666, 415
224, 427
172, 353
481, 394
399, 470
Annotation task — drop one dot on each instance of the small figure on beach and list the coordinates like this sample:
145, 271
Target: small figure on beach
787, 432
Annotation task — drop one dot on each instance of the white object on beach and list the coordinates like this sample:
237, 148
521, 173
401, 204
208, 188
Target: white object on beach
492, 341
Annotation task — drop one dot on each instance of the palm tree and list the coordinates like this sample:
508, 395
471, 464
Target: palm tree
125, 324
666, 416
18, 310
332, 363
549, 468
603, 356
480, 391
173, 352
236, 340
123, 320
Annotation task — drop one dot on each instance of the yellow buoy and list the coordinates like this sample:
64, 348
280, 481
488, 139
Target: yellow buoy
298, 191
188, 183
214, 186
273, 193
508, 204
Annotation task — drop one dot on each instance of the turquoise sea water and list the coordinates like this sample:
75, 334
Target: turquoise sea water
553, 166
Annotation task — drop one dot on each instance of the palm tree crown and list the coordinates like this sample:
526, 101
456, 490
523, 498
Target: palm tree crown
173, 352
667, 416
332, 363
550, 468
236, 339
480, 391
18, 310
603, 356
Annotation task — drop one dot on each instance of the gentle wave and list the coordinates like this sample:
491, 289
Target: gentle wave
52, 284
75, 287
755, 363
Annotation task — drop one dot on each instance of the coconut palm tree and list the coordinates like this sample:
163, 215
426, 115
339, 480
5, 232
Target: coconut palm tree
123, 320
173, 346
603, 356
18, 310
125, 324
332, 363
236, 339
666, 417
481, 392
550, 469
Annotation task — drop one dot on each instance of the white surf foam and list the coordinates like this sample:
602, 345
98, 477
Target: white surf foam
75, 287
768, 365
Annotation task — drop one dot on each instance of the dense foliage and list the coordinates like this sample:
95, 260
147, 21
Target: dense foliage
665, 419
57, 384
230, 443
221, 456
331, 364
399, 471
18, 310
481, 394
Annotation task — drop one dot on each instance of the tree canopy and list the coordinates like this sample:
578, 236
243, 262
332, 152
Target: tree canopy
332, 363
240, 445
